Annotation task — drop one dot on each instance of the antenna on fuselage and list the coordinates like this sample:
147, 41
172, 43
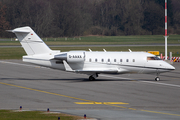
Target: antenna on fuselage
90, 50
104, 50
129, 50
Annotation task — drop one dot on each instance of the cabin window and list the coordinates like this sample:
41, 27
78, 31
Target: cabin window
96, 60
108, 60
102, 60
114, 60
90, 60
150, 58
120, 60
133, 60
127, 60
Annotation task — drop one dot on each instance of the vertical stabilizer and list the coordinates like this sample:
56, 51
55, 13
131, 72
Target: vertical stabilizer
30, 41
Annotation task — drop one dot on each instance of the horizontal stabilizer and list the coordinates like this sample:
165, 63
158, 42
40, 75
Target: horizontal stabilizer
20, 30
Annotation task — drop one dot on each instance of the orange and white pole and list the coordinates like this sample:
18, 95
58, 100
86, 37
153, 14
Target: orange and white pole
165, 30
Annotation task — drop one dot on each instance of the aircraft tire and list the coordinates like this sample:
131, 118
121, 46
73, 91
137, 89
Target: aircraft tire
157, 79
91, 78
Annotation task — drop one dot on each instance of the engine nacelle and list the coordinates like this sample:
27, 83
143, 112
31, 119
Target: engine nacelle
75, 56
72, 56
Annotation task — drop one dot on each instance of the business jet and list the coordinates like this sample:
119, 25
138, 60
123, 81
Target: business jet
88, 62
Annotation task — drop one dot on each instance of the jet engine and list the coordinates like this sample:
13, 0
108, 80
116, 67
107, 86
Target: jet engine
72, 56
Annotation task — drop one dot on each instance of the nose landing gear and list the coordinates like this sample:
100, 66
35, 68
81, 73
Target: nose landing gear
157, 74
157, 79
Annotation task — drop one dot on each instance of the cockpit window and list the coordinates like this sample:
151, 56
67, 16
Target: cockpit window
153, 58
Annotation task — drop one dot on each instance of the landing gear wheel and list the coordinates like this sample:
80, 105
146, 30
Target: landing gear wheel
157, 79
91, 78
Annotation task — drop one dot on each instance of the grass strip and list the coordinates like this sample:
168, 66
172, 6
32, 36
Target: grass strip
90, 40
34, 115
17, 53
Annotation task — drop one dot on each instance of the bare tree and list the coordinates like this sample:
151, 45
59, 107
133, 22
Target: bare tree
4, 24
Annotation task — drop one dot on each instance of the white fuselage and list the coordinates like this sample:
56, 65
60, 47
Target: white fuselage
104, 62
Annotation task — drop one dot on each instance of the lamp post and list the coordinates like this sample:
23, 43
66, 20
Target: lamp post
166, 30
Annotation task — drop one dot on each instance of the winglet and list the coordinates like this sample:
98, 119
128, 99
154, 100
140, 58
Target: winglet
67, 67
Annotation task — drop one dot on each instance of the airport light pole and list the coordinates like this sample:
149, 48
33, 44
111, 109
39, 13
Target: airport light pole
166, 30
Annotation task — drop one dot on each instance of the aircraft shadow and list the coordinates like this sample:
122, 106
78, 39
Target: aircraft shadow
77, 79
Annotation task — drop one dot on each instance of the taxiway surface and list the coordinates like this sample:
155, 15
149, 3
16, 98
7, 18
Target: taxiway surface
110, 97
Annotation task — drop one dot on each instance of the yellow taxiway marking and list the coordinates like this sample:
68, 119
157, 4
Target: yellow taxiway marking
46, 92
105, 103
160, 113
88, 101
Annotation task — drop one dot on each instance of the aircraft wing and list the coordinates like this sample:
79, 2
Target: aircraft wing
110, 71
98, 70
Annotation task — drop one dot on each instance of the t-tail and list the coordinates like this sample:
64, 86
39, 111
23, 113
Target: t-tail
30, 41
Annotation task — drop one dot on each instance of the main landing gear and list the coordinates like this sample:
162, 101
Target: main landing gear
93, 77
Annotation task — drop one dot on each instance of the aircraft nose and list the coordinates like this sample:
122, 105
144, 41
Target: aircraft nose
170, 67
166, 67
